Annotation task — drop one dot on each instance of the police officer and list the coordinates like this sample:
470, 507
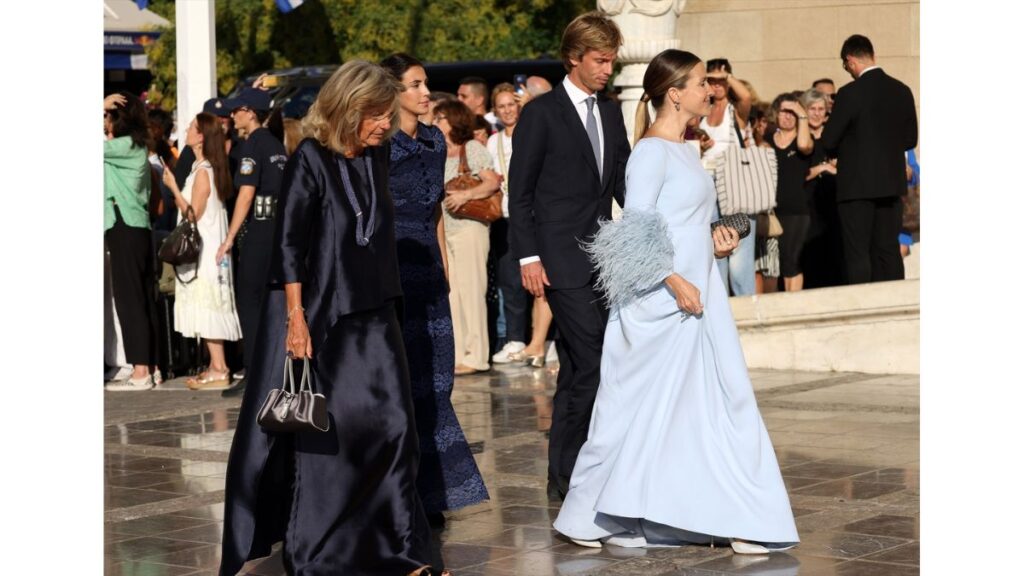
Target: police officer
258, 178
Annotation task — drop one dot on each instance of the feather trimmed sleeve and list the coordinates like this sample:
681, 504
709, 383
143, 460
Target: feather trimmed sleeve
632, 255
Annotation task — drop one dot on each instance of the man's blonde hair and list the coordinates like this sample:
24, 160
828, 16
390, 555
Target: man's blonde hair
593, 30
355, 90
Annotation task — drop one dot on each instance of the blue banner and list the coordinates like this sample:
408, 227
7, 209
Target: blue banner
132, 42
286, 6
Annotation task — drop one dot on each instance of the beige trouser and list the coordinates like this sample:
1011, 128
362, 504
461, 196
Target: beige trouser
468, 244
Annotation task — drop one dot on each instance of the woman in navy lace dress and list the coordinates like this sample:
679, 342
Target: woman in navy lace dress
448, 476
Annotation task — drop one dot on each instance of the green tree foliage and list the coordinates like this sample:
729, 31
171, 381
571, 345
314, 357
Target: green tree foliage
252, 35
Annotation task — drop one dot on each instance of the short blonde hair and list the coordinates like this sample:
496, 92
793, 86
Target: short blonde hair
503, 87
356, 89
593, 30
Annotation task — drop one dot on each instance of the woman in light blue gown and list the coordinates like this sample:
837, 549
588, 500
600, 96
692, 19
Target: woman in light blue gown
677, 451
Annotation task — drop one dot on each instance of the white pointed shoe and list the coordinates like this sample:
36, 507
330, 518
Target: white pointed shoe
744, 547
586, 543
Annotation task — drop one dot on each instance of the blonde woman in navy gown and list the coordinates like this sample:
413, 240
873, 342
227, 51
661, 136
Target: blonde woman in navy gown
677, 451
343, 501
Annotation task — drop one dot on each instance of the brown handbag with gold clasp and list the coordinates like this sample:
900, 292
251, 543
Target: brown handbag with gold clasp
484, 210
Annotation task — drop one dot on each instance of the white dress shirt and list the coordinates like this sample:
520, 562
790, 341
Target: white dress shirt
579, 100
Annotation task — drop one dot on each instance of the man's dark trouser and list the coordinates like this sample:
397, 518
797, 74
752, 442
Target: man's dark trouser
870, 230
581, 316
515, 298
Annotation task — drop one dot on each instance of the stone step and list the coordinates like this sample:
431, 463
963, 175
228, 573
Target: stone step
869, 328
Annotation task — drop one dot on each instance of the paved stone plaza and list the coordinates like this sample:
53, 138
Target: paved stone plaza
847, 444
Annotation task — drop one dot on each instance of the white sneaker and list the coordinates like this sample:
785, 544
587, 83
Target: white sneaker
131, 385
552, 355
158, 377
124, 373
627, 540
501, 356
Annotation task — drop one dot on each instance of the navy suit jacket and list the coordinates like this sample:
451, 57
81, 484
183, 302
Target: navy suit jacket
873, 122
556, 194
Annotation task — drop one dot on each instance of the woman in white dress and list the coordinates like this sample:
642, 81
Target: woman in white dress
204, 295
677, 451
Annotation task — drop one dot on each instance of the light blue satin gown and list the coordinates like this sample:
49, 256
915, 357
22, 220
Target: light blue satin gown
677, 451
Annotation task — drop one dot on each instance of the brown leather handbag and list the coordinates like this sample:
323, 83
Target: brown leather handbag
484, 210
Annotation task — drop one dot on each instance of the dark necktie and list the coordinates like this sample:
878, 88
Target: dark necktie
595, 139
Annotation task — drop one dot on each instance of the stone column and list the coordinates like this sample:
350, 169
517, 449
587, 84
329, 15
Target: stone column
196, 52
648, 27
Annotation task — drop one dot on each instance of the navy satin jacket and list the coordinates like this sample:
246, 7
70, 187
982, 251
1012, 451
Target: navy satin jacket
315, 240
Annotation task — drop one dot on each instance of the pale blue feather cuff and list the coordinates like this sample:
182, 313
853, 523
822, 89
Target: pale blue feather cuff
632, 255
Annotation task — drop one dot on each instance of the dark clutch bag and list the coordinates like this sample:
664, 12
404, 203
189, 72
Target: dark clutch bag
288, 410
738, 222
184, 244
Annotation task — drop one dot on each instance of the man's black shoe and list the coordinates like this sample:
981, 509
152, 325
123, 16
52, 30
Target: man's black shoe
236, 389
555, 494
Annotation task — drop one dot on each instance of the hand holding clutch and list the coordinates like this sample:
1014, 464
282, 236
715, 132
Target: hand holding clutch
738, 222
726, 240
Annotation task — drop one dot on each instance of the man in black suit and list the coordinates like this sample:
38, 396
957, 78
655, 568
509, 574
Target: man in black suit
569, 160
873, 122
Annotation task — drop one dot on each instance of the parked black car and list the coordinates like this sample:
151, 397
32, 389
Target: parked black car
297, 88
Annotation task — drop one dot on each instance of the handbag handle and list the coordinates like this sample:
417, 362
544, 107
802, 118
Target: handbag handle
288, 381
736, 129
190, 215
463, 161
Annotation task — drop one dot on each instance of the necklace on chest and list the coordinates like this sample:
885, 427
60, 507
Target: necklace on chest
364, 231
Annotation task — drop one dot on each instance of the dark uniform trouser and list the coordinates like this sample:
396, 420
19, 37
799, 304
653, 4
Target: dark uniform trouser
251, 284
871, 247
131, 279
581, 316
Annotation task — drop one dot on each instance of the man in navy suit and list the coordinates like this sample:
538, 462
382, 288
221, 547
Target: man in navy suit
570, 158
873, 122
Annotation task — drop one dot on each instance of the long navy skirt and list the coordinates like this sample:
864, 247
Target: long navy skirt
343, 501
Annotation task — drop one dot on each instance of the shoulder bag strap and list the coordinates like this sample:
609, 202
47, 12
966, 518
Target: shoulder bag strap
463, 160
501, 158
736, 126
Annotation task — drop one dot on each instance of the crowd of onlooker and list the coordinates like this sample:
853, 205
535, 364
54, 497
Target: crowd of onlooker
800, 244
225, 170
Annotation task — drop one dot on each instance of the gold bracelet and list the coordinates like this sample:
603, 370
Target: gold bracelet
292, 311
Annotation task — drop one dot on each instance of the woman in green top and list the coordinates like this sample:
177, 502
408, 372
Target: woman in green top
126, 190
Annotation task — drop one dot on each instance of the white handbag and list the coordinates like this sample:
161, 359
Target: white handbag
746, 180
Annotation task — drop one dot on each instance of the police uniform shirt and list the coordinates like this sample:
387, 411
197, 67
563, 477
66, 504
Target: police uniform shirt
261, 164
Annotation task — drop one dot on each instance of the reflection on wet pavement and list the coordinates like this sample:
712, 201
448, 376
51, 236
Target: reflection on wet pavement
847, 445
